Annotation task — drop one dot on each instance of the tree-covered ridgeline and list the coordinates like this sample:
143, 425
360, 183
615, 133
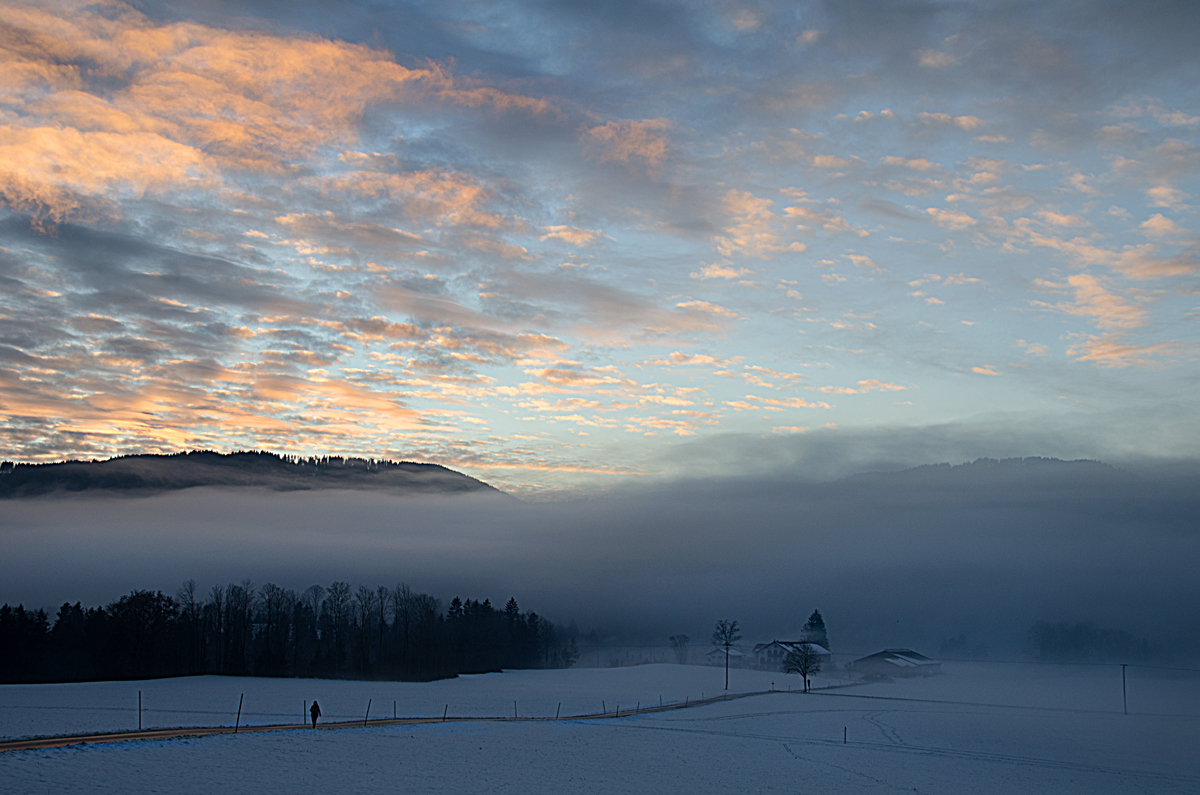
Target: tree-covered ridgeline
339, 631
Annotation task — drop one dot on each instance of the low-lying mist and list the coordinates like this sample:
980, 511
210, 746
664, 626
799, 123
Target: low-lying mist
904, 559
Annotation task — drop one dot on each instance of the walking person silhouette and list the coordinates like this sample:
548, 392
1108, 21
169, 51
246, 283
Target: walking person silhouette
315, 711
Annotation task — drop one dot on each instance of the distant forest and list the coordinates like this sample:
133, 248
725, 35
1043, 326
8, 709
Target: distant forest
337, 632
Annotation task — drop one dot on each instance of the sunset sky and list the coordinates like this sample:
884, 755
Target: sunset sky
554, 245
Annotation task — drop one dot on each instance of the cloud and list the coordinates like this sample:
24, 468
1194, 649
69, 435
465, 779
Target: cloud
1111, 350
447, 197
868, 385
60, 174
1158, 225
751, 227
570, 234
1133, 262
774, 404
951, 219
961, 122
985, 370
934, 59
719, 271
915, 163
833, 161
627, 141
1165, 196
829, 221
863, 261
1058, 219
877, 385
1108, 309
171, 106
708, 307
1033, 348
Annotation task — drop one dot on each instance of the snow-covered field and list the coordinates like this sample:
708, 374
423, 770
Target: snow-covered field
90, 707
978, 728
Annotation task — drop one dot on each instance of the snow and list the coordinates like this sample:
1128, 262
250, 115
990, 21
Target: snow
91, 707
981, 728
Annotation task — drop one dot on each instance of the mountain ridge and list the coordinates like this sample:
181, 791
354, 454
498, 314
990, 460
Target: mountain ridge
151, 473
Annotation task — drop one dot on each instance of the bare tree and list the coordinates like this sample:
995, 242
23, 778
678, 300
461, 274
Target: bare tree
337, 602
366, 631
192, 609
382, 597
679, 645
724, 636
403, 617
216, 612
804, 660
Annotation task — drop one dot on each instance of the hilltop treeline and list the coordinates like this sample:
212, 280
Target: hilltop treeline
339, 631
151, 474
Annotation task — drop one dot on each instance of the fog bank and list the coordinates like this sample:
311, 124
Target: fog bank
900, 559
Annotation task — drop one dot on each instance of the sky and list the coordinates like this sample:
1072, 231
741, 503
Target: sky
560, 245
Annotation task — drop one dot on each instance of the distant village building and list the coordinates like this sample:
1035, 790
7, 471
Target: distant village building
895, 662
770, 656
737, 657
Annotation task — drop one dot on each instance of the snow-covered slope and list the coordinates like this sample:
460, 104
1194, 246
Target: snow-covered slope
899, 736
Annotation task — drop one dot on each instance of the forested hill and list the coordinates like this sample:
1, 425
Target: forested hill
158, 473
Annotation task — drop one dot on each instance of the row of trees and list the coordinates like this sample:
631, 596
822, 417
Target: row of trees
339, 631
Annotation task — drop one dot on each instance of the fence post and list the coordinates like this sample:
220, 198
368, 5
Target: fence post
514, 710
557, 711
393, 710
139, 710
368, 713
1124, 698
447, 709
304, 714
238, 722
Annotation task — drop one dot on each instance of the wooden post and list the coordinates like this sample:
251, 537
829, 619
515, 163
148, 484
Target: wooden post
603, 708
139, 710
1124, 698
238, 722
447, 709
514, 710
304, 714
638, 708
393, 710
368, 712
844, 729
557, 711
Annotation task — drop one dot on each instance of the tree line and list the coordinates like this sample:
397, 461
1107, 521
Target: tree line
338, 632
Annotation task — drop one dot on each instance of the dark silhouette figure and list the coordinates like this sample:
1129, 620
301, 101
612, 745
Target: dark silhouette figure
315, 711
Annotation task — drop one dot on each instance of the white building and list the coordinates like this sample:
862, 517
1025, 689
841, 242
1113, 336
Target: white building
770, 656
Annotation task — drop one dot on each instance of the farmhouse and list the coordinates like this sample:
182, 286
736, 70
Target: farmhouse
770, 656
737, 657
895, 662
